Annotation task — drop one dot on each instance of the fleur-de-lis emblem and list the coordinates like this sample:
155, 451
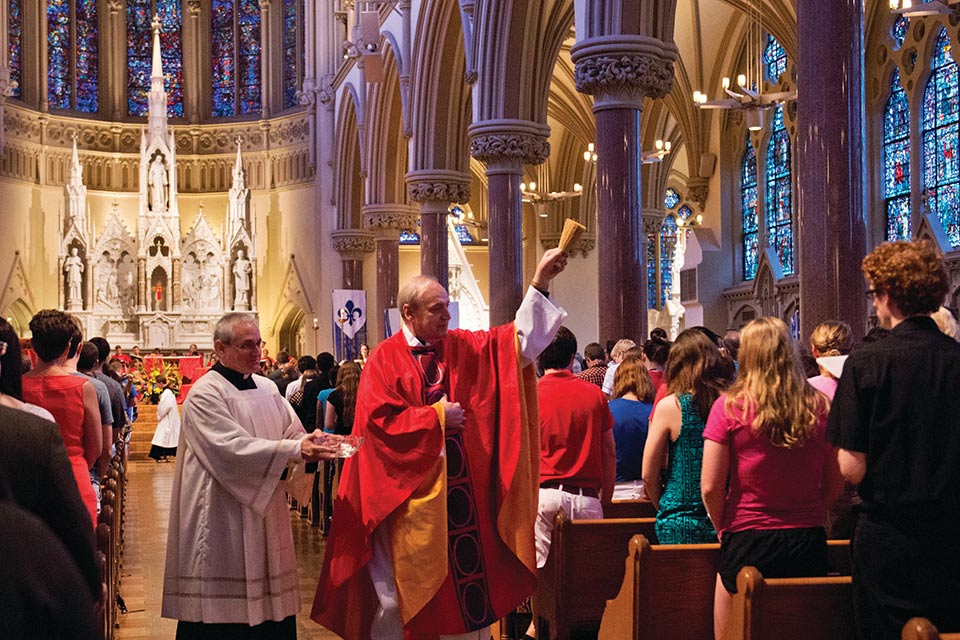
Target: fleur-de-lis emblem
349, 313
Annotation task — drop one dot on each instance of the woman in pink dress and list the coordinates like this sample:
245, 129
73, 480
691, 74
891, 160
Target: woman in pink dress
71, 399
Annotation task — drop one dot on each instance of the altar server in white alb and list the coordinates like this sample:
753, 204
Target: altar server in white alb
230, 558
167, 435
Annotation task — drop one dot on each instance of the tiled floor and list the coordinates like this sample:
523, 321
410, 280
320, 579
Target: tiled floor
145, 543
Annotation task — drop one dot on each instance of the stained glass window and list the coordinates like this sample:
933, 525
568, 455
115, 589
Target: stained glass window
291, 61
939, 128
896, 161
774, 59
749, 211
463, 234
409, 237
685, 213
671, 199
652, 297
139, 52
899, 32
668, 246
14, 34
779, 193
72, 60
235, 49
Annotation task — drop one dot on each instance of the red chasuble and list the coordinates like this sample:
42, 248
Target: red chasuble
461, 524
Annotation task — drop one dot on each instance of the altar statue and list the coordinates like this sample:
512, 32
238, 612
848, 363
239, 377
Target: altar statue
73, 266
241, 282
157, 180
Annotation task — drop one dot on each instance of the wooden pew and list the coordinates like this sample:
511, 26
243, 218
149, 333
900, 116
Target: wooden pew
923, 629
629, 509
791, 608
583, 570
666, 593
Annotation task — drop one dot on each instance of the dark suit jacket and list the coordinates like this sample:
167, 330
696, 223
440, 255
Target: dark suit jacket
35, 472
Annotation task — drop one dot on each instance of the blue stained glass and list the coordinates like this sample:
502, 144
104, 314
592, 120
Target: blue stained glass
685, 213
940, 127
224, 69
900, 27
652, 297
749, 211
171, 51
774, 59
290, 61
409, 237
779, 193
138, 56
463, 234
248, 18
896, 161
671, 199
668, 246
87, 56
14, 35
59, 47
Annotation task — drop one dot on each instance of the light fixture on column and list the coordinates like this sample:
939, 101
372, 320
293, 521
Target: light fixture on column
540, 199
661, 149
931, 8
590, 155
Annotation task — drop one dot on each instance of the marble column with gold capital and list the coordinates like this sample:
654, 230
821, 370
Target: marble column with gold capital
619, 71
436, 190
504, 146
386, 221
353, 245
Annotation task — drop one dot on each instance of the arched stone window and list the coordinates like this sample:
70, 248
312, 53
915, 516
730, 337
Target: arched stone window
939, 134
139, 63
896, 161
14, 36
749, 212
292, 51
779, 193
72, 54
774, 59
668, 246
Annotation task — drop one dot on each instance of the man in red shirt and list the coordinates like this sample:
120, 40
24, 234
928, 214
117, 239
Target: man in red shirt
578, 460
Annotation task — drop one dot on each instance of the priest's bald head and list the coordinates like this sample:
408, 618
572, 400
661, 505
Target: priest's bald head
236, 340
423, 304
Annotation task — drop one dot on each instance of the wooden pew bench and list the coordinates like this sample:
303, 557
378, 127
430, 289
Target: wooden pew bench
666, 593
791, 608
584, 569
923, 629
629, 509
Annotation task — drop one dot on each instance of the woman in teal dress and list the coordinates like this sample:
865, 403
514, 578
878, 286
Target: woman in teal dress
696, 374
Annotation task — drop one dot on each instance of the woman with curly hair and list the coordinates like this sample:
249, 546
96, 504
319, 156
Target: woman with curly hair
696, 374
768, 473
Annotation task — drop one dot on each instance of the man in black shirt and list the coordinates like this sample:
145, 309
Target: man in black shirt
896, 420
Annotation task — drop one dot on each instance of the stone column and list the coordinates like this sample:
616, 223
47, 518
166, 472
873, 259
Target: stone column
436, 190
620, 71
505, 146
352, 245
142, 284
386, 221
175, 285
192, 75
266, 55
830, 237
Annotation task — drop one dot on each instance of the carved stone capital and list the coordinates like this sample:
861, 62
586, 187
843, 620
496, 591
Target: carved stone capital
387, 220
353, 244
193, 6
627, 77
440, 186
586, 243
325, 91
491, 147
114, 6
652, 221
697, 190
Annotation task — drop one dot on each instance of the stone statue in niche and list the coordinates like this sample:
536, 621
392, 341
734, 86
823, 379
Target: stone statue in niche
73, 267
190, 282
157, 180
241, 281
210, 282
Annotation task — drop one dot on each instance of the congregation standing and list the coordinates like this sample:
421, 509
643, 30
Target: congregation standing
443, 519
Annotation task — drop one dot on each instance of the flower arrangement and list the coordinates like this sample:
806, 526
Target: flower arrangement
147, 383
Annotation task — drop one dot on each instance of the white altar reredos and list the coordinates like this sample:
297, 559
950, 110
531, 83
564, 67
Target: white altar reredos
155, 287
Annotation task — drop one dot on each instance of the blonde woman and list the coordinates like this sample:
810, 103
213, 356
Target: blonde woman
769, 475
830, 338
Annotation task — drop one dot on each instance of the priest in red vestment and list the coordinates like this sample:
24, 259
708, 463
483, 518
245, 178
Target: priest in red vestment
432, 531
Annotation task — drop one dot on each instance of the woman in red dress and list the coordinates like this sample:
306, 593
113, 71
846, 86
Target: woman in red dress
70, 398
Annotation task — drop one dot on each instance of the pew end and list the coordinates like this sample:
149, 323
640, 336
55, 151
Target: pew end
667, 593
923, 629
819, 608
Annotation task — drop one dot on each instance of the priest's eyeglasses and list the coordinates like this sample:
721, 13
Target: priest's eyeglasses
247, 345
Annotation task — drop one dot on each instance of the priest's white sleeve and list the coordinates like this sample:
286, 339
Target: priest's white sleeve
538, 319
